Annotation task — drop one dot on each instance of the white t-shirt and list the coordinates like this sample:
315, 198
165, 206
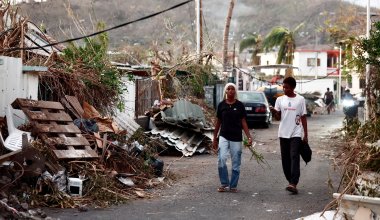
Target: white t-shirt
292, 108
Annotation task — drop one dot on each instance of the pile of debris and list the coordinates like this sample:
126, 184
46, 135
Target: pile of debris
182, 126
73, 163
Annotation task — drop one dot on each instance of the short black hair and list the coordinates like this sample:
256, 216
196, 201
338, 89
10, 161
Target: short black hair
290, 81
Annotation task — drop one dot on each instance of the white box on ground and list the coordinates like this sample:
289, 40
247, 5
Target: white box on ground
75, 186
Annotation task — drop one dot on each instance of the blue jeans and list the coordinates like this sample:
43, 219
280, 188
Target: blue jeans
235, 150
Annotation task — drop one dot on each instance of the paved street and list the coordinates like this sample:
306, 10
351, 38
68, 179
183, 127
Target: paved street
261, 196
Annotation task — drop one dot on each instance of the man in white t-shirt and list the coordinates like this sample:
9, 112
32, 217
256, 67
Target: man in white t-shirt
291, 110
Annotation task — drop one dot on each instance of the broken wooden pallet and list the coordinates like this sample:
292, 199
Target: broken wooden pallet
73, 105
56, 128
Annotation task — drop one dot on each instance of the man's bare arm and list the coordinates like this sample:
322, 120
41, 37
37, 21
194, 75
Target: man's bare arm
276, 114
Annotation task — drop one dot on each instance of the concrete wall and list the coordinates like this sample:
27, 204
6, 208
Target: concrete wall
300, 61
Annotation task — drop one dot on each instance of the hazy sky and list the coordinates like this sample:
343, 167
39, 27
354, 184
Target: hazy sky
373, 3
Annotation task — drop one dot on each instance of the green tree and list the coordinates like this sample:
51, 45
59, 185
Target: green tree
285, 40
253, 41
367, 51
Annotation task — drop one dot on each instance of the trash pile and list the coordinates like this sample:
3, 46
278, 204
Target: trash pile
70, 156
182, 126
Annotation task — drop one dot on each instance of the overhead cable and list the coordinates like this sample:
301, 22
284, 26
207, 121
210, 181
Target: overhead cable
98, 32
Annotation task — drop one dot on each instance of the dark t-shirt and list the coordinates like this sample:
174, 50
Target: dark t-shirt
329, 97
230, 117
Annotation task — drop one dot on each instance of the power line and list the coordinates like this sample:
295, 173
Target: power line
98, 32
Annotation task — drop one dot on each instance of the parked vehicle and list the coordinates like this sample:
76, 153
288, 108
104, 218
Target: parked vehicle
256, 106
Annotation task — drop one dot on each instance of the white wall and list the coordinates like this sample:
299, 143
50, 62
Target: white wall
355, 84
320, 85
129, 97
300, 61
269, 59
15, 84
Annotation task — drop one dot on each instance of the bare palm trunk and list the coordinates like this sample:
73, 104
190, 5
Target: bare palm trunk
289, 60
226, 33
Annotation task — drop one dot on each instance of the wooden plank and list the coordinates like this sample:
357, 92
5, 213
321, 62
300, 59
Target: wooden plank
70, 108
88, 148
47, 116
69, 141
73, 154
22, 103
98, 140
75, 104
9, 156
51, 128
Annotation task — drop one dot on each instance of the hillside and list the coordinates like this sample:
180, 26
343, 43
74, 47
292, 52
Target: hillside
64, 19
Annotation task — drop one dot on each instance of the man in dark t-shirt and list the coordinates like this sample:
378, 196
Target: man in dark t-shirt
231, 120
329, 97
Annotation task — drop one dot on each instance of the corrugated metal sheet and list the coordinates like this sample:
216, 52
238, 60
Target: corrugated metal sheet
14, 84
126, 122
185, 128
185, 114
184, 140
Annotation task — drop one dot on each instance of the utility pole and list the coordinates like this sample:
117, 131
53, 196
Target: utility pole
198, 12
316, 56
368, 68
233, 58
340, 76
201, 26
234, 73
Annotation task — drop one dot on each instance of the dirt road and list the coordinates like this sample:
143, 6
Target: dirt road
262, 192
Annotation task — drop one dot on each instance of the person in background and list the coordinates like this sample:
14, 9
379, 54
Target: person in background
347, 94
230, 121
329, 99
291, 110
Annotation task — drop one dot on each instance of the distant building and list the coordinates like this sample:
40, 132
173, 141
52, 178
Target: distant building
311, 62
315, 68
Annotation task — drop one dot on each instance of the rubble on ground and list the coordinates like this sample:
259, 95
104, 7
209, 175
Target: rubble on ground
70, 165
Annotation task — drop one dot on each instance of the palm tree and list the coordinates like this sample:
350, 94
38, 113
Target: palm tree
253, 41
285, 40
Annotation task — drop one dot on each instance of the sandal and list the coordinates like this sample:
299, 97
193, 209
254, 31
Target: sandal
223, 189
233, 190
292, 188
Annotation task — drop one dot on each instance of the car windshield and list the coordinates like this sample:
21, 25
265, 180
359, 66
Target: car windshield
250, 97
